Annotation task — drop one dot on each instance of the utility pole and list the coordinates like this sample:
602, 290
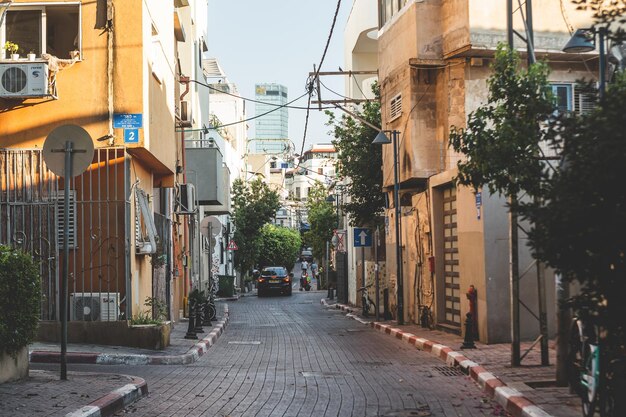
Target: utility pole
516, 357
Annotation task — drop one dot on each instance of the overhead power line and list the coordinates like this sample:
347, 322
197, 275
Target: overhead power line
309, 86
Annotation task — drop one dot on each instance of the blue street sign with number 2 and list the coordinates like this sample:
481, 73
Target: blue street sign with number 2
362, 237
131, 135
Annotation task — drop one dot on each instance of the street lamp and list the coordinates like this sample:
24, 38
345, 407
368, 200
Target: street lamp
584, 40
382, 139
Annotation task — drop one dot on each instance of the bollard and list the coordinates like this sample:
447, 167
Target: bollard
468, 341
190, 332
207, 317
199, 317
386, 311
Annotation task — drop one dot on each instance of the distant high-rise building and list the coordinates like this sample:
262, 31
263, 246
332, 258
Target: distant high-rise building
272, 133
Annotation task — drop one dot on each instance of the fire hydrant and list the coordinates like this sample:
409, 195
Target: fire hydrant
471, 322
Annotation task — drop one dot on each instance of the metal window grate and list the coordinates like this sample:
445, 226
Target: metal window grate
584, 100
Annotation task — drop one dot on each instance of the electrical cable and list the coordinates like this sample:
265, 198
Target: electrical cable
309, 84
249, 99
245, 120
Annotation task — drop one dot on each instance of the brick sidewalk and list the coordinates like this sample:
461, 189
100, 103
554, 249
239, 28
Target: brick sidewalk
82, 395
533, 381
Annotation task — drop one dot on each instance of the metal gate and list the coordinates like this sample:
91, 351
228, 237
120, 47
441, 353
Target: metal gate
31, 217
342, 277
452, 286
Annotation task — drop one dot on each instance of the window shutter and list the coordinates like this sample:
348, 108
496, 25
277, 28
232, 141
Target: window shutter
584, 100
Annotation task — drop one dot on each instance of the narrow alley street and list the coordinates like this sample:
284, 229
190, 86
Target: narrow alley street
289, 356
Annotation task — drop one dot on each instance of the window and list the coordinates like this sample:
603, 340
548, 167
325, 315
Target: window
562, 96
43, 29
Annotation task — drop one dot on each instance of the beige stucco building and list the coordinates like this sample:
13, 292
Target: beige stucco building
122, 85
433, 60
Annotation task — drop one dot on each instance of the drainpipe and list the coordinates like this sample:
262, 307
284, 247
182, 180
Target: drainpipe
185, 80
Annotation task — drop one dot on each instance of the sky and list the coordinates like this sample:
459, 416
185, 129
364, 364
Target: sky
279, 41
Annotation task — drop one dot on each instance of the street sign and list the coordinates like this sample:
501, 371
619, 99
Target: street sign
81, 150
362, 237
131, 135
232, 245
210, 226
128, 121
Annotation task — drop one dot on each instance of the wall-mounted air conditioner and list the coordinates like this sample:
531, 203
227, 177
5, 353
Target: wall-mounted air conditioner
25, 80
94, 306
186, 199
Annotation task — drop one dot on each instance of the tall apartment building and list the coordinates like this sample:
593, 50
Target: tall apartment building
272, 129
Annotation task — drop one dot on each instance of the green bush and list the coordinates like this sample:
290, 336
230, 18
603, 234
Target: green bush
20, 295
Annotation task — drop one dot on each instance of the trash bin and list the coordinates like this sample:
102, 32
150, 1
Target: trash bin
227, 285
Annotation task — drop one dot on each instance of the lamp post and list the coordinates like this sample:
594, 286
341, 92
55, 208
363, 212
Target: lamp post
584, 40
382, 139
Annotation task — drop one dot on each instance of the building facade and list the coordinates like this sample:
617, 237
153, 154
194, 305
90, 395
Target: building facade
271, 129
119, 70
434, 59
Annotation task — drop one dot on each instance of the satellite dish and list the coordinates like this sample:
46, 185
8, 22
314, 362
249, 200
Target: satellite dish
210, 226
54, 150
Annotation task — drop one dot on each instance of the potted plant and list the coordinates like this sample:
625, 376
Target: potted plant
12, 49
31, 55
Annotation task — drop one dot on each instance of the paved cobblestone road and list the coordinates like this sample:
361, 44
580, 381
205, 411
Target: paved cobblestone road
289, 356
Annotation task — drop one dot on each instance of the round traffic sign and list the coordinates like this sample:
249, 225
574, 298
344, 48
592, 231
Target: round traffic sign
55, 145
210, 226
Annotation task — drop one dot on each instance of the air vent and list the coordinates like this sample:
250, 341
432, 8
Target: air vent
395, 107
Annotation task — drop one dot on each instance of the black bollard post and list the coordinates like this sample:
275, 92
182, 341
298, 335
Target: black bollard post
207, 316
191, 334
199, 317
386, 312
468, 341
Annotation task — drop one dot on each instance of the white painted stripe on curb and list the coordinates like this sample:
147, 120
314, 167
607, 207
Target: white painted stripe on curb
534, 411
126, 389
466, 364
504, 393
483, 377
436, 349
419, 343
86, 411
406, 336
117, 359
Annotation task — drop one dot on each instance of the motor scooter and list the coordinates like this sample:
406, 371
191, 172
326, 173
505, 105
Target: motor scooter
305, 281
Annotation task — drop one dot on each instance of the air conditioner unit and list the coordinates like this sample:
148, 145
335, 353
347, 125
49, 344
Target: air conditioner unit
185, 113
24, 80
94, 306
186, 199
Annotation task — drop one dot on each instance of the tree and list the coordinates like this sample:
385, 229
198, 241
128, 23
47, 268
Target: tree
579, 224
502, 147
254, 205
322, 218
502, 139
279, 246
360, 161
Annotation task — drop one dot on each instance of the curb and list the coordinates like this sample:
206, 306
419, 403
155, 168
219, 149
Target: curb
191, 356
509, 398
114, 401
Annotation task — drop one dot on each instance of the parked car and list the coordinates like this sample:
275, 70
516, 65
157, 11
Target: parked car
306, 255
274, 278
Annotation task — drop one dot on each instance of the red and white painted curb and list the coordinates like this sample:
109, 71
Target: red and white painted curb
509, 398
114, 401
191, 356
